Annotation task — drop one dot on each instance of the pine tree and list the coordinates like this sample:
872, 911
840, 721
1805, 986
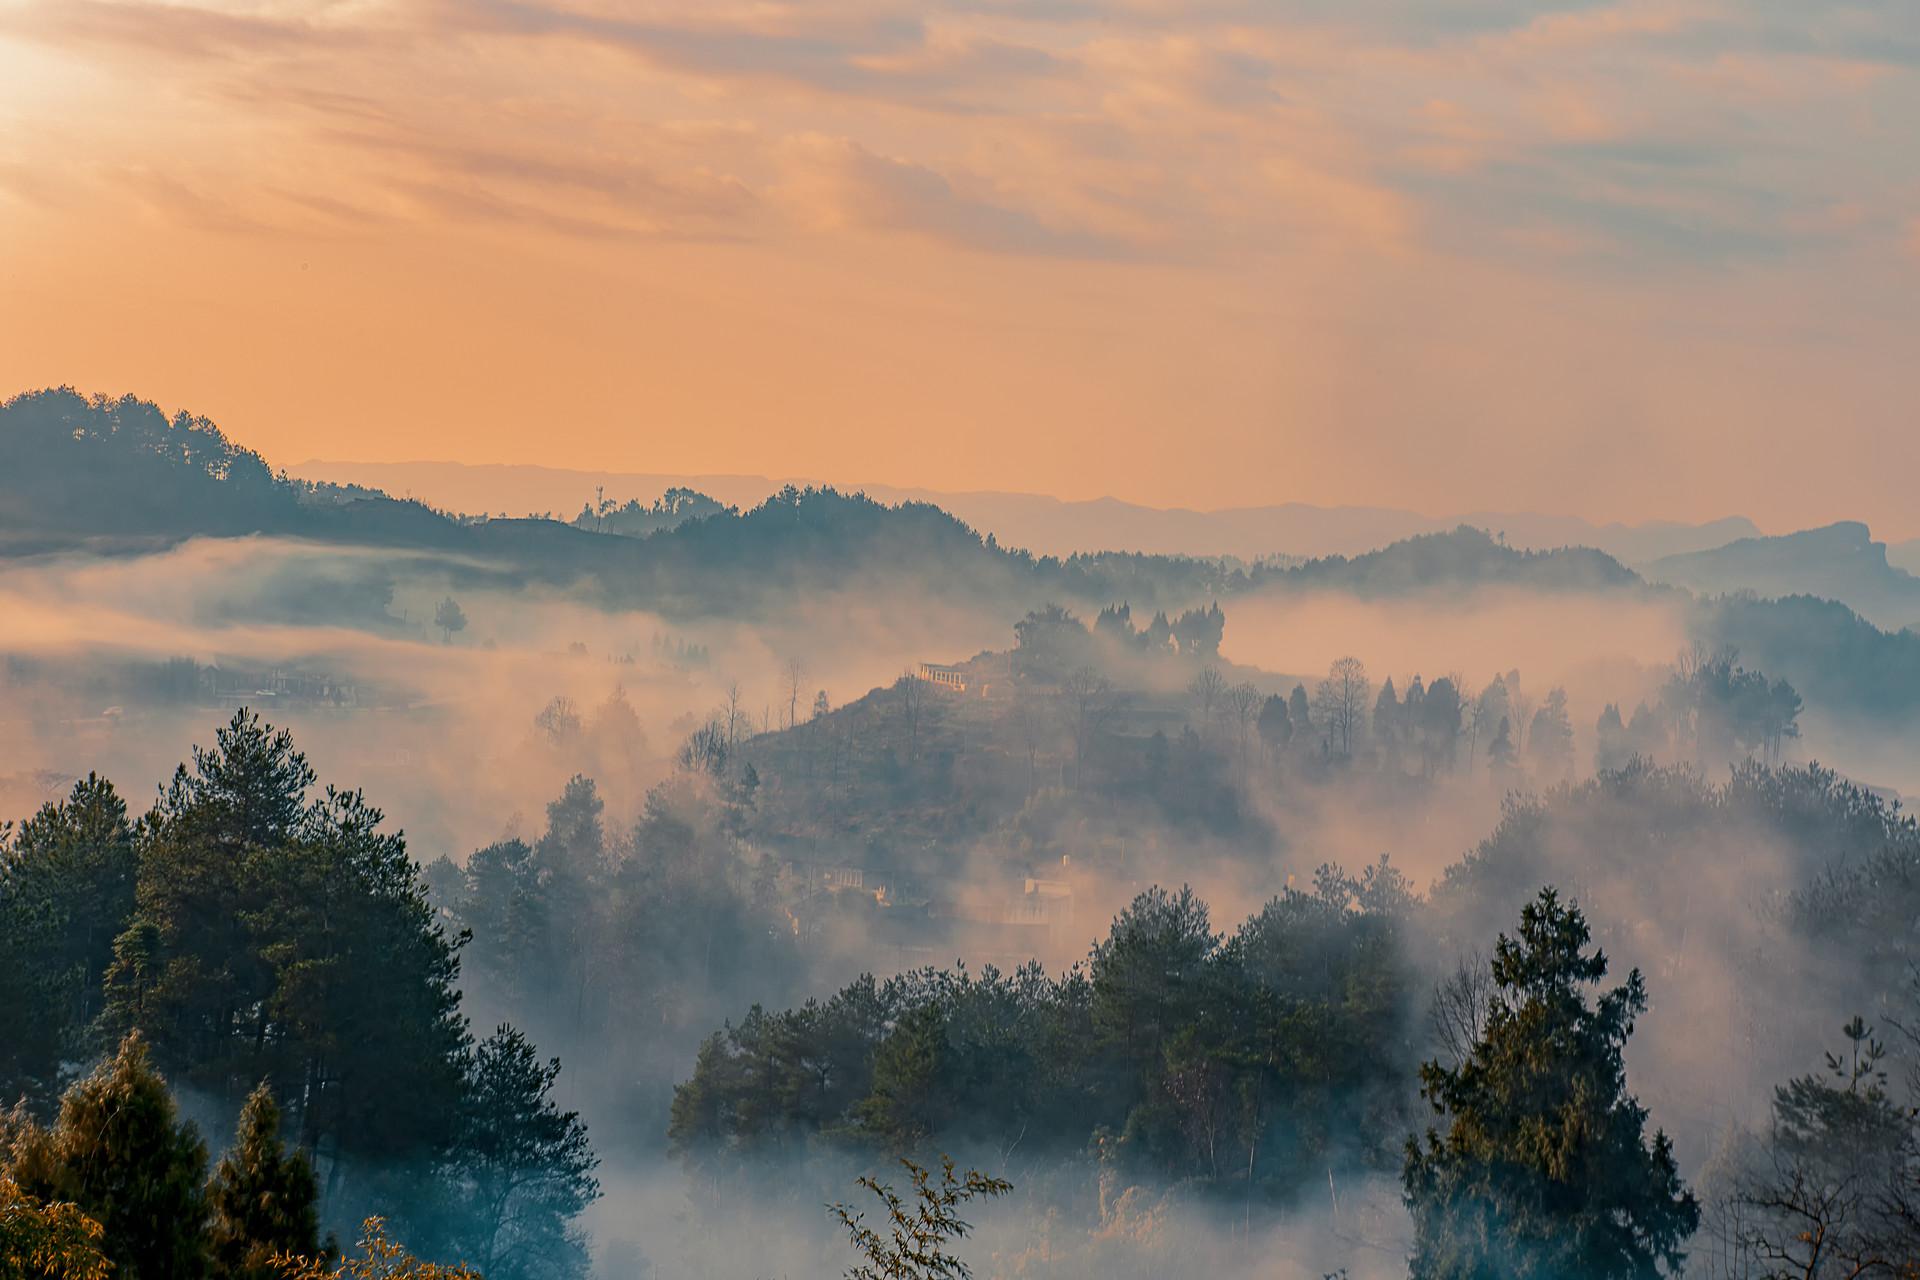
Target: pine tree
1544, 1169
522, 1169
119, 1154
66, 891
263, 1198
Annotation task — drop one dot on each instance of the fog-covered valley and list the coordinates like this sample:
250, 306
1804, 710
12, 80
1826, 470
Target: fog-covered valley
823, 834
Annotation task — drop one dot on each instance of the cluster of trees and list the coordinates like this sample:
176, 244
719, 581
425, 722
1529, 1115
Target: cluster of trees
1237, 1061
1052, 643
639, 939
1437, 728
118, 1185
1712, 711
635, 519
250, 931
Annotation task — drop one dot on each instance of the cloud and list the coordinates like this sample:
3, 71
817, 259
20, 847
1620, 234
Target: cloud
175, 30
841, 183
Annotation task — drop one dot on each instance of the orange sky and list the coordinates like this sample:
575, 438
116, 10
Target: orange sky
1630, 260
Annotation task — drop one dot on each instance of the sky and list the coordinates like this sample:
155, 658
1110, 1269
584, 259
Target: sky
1635, 260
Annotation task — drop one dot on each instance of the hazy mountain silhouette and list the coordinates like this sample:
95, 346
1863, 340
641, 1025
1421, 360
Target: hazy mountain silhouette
1043, 524
1839, 562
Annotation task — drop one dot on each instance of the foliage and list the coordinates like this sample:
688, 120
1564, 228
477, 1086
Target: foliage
918, 1235
66, 890
263, 1198
119, 1153
380, 1258
1544, 1169
1236, 1061
47, 1241
521, 1170
263, 909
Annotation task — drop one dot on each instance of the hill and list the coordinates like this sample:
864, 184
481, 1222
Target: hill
1043, 524
1840, 562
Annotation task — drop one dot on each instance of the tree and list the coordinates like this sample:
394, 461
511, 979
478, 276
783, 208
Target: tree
1550, 738
47, 1241
1199, 631
120, 1154
1489, 709
1244, 701
66, 892
1341, 703
522, 1169
1544, 1168
1090, 700
559, 721
1829, 1200
1500, 751
795, 677
1612, 748
289, 938
919, 1236
1300, 714
449, 617
263, 1199
1146, 968
1275, 724
1210, 687
1387, 727
1439, 725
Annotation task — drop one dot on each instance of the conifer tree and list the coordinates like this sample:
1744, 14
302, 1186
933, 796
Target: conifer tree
263, 1198
1544, 1169
119, 1153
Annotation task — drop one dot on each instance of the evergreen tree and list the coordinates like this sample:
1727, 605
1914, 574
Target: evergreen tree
1500, 750
1612, 748
66, 891
1300, 714
522, 1169
1275, 724
1544, 1169
119, 1152
263, 1198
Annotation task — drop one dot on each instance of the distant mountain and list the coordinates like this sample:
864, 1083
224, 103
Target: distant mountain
116, 475
1839, 562
1043, 525
1904, 555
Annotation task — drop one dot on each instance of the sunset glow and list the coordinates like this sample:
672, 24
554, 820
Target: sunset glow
1622, 260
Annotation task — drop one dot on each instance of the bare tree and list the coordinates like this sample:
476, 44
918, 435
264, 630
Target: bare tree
1030, 719
734, 715
1211, 688
1244, 701
1090, 700
1341, 702
796, 676
1460, 1003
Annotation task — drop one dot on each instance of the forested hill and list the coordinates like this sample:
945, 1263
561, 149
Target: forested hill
110, 473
